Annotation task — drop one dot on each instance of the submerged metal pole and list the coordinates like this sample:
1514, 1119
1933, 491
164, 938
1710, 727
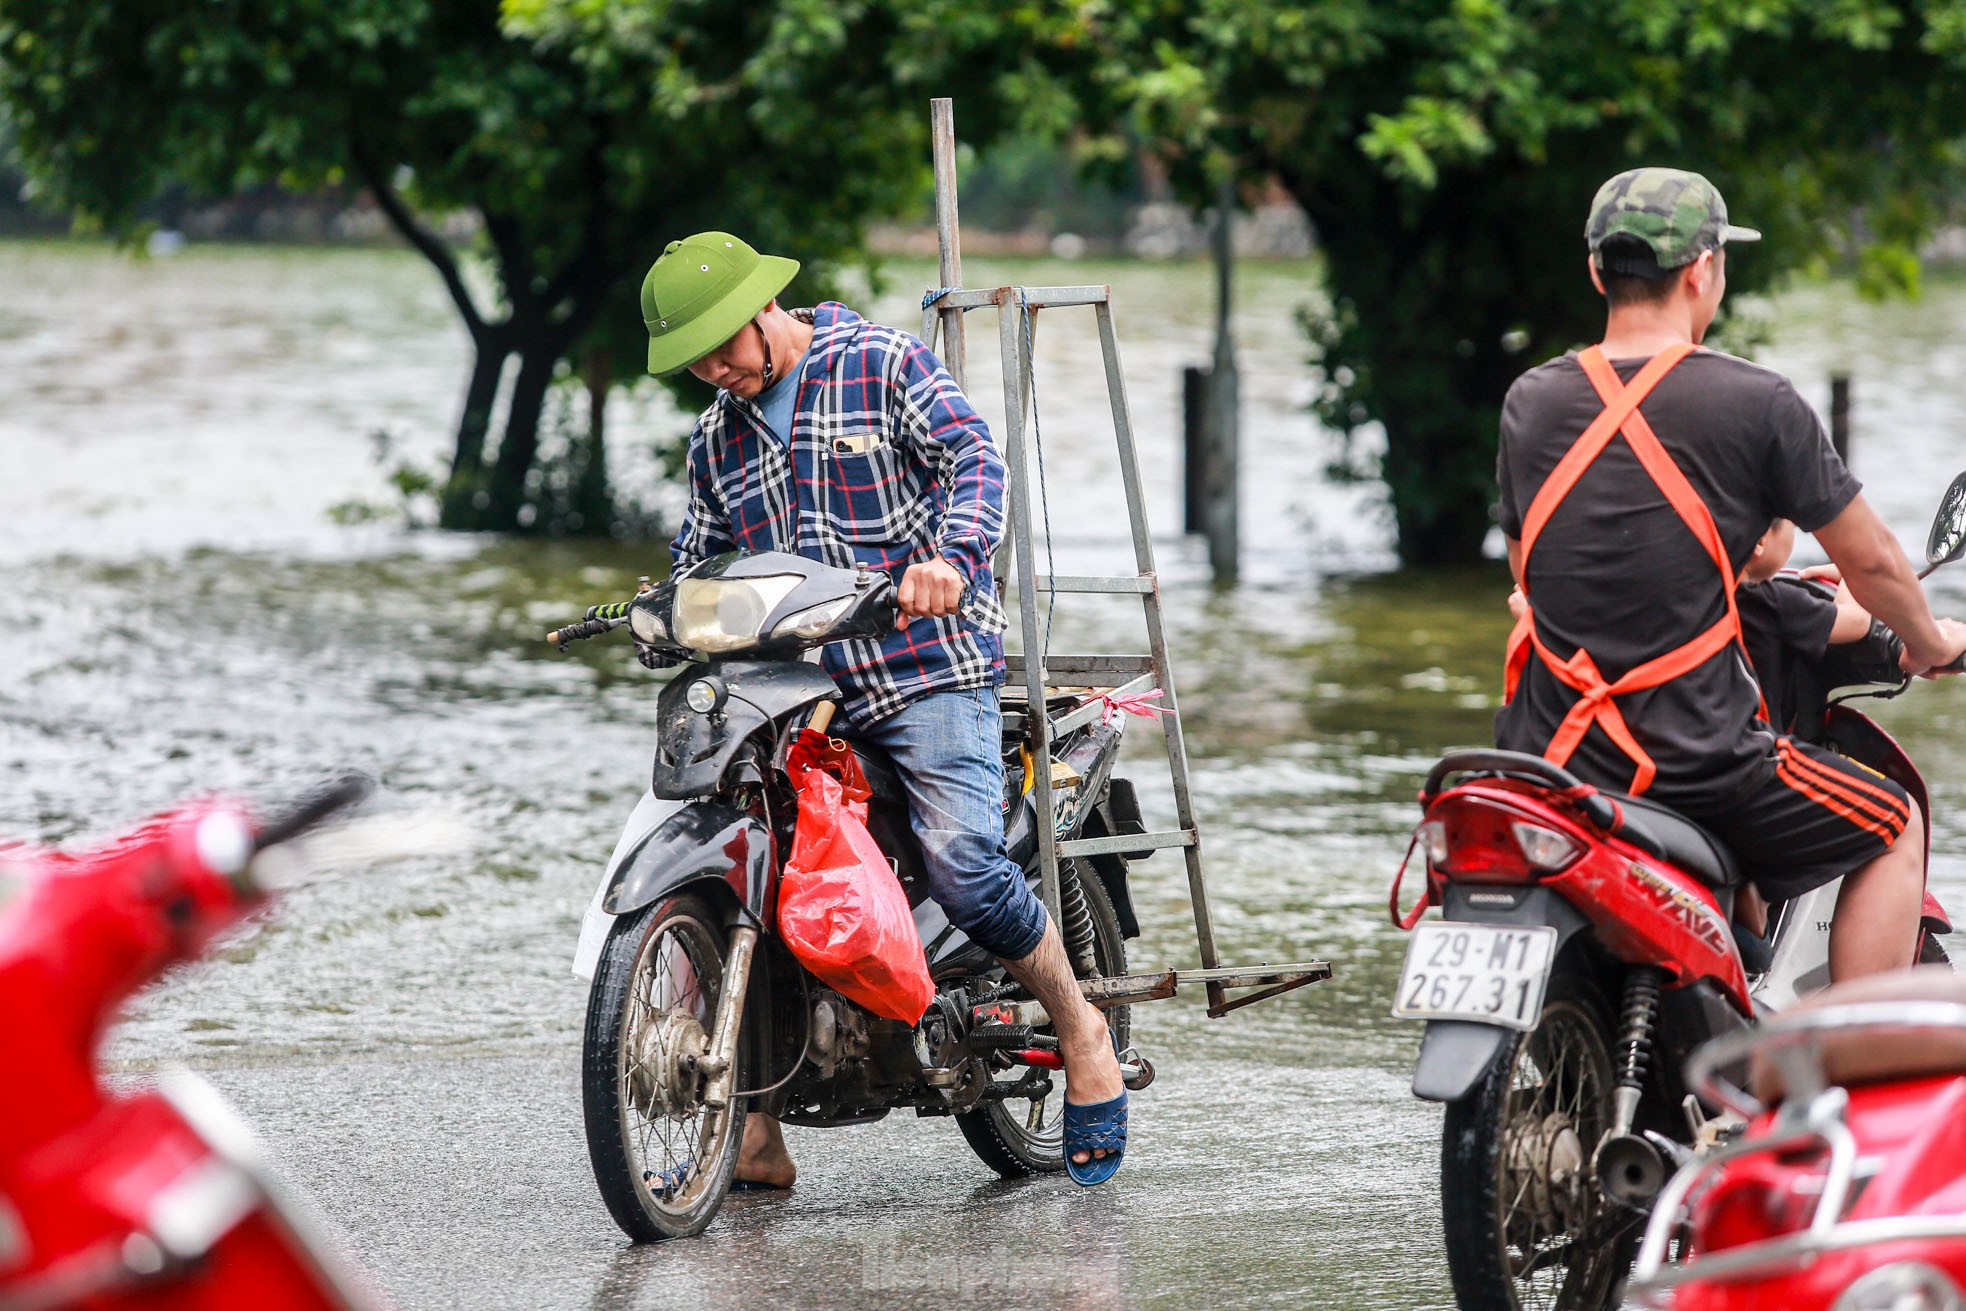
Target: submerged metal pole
1221, 516
948, 235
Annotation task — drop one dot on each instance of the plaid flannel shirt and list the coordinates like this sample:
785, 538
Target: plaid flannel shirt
887, 465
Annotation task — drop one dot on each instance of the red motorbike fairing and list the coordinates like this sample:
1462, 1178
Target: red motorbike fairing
1858, 736
1644, 911
111, 1200
1911, 1134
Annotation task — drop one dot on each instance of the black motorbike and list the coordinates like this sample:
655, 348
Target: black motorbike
698, 1013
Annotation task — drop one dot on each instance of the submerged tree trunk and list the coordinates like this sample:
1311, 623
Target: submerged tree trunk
518, 445
593, 504
464, 498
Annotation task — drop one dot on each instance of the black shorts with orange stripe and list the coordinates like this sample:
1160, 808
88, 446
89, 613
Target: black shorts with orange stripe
1820, 817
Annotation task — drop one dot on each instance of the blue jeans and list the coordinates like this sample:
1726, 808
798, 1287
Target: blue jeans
945, 746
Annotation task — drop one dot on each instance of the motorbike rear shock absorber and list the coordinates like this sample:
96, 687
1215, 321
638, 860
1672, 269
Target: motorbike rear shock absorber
1630, 1167
1640, 1014
1077, 914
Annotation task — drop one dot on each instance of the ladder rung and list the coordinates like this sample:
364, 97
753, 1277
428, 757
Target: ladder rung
1095, 708
1127, 842
1038, 298
1084, 664
1141, 583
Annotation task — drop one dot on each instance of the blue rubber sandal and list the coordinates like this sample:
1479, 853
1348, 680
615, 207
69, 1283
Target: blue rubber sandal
1098, 1127
669, 1182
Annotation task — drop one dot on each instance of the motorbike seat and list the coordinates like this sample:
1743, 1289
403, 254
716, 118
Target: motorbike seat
1684, 843
883, 780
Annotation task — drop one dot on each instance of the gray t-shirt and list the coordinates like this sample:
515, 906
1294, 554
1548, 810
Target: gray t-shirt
1616, 571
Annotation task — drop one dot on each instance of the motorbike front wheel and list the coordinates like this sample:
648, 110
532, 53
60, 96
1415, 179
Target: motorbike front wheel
662, 1159
1526, 1225
1027, 1135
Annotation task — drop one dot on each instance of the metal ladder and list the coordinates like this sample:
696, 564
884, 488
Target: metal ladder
1017, 308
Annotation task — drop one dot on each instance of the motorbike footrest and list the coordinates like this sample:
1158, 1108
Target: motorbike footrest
1000, 1037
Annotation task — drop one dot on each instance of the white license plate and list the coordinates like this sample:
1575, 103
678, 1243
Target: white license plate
1493, 973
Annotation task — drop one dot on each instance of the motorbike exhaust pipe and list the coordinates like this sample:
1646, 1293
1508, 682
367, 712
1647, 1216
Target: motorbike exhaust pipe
1631, 1170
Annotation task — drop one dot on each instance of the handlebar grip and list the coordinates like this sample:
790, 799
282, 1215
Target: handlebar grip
822, 716
575, 632
310, 810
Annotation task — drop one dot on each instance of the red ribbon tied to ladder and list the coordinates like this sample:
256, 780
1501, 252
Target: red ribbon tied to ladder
1112, 705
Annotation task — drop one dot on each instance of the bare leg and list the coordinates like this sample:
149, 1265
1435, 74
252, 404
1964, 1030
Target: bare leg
1875, 927
762, 1157
1092, 1070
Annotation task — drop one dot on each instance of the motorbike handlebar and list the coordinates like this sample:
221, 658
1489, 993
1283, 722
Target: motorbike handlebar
312, 809
600, 619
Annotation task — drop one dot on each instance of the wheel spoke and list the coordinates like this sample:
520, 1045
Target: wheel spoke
1555, 1237
667, 1135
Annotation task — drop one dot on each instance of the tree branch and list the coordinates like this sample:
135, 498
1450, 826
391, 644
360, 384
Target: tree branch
426, 242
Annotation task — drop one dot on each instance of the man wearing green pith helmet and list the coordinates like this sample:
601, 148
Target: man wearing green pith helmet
847, 442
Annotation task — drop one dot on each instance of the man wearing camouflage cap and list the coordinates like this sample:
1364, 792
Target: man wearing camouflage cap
1636, 477
848, 442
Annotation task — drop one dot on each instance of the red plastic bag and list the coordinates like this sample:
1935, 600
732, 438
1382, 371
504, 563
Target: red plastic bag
840, 908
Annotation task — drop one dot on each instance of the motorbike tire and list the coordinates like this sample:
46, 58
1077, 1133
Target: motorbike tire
1489, 1198
623, 1137
1002, 1139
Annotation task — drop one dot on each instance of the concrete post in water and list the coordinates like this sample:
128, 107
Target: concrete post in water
1839, 414
1222, 432
948, 236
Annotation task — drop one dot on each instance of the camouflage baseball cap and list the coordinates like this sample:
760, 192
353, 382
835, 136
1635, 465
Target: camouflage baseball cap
1674, 213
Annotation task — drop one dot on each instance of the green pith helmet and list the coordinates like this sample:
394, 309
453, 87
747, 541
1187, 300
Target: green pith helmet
1675, 214
702, 292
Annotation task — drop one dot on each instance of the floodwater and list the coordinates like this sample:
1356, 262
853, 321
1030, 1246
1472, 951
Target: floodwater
178, 613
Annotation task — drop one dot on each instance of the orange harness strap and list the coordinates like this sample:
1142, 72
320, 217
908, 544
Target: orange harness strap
1596, 702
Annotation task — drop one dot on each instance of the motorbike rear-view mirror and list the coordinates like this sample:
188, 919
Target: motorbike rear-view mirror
1948, 538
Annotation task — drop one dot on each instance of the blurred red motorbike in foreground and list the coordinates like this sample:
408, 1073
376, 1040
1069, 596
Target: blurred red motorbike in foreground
146, 1196
1847, 1191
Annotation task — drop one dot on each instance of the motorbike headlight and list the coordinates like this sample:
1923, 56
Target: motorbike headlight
646, 624
724, 614
814, 622
1902, 1286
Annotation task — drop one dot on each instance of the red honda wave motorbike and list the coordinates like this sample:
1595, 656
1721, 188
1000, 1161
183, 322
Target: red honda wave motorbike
144, 1197
1849, 1192
1586, 949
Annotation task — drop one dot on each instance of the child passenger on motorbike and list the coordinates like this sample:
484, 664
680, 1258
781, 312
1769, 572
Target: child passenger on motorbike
848, 442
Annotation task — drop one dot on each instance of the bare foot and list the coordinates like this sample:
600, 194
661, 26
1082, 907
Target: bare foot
761, 1157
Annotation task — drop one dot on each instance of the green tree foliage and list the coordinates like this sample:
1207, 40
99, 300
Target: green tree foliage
1447, 151
584, 134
